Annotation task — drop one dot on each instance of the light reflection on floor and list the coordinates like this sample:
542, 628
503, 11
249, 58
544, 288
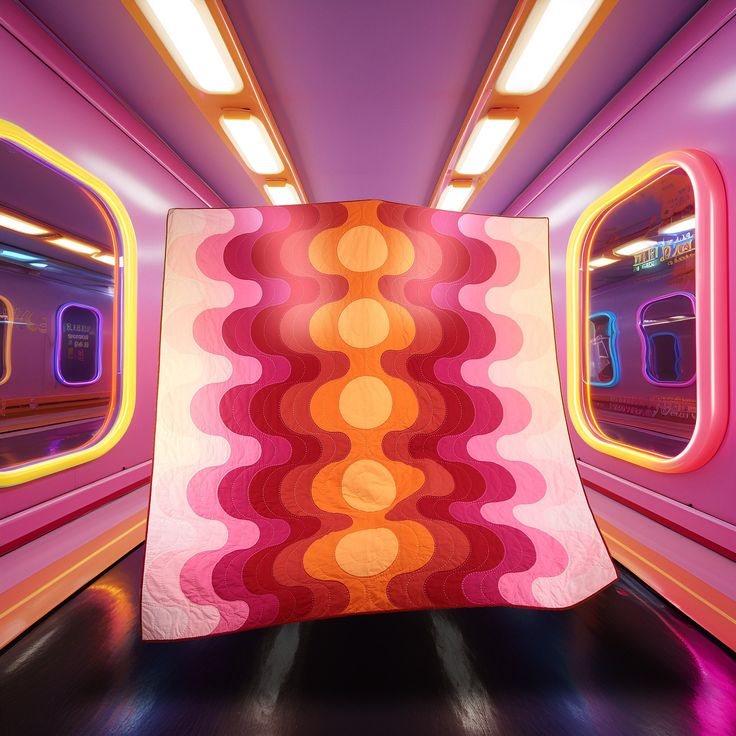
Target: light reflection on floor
623, 663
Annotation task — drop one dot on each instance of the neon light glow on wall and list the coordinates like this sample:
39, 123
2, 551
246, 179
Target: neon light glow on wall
649, 344
78, 345
7, 319
124, 310
605, 349
710, 309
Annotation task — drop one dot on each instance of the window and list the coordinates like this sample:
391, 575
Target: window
667, 326
78, 350
646, 273
67, 269
604, 368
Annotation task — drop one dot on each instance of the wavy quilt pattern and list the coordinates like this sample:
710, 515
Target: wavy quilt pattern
359, 411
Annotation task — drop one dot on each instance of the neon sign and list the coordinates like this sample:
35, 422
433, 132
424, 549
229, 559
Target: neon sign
668, 250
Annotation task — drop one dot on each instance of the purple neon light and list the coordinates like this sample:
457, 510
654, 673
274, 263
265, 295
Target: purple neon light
645, 340
57, 353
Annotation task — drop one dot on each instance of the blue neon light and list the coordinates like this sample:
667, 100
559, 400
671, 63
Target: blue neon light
612, 333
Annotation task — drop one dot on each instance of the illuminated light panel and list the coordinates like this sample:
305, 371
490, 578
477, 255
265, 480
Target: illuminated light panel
77, 246
19, 225
680, 226
107, 259
550, 32
634, 247
190, 34
282, 194
488, 139
455, 196
601, 262
14, 255
250, 137
38, 264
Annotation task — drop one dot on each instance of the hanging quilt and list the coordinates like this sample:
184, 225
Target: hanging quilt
359, 410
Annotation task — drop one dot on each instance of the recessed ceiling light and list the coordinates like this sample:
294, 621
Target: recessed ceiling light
600, 262
635, 246
110, 260
680, 226
549, 33
282, 193
455, 195
190, 34
38, 264
74, 245
20, 225
250, 137
487, 140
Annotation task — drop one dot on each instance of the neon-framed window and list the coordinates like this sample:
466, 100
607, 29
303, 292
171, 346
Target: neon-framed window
605, 369
667, 329
121, 345
663, 226
78, 348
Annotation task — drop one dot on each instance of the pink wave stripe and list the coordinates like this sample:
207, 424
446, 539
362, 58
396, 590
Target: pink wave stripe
175, 528
517, 556
248, 531
551, 500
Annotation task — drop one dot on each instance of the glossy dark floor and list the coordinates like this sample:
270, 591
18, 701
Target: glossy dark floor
28, 445
623, 663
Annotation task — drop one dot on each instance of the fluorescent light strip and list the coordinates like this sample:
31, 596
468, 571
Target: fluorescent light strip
601, 262
20, 225
250, 137
455, 196
488, 139
282, 194
107, 259
550, 32
14, 255
74, 245
680, 226
190, 34
636, 246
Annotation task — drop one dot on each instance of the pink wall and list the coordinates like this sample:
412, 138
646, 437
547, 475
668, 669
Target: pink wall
684, 98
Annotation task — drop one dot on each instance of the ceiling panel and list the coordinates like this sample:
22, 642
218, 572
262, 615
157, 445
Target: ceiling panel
368, 95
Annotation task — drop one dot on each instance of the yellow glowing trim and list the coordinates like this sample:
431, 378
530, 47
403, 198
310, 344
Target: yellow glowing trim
127, 325
8, 338
712, 316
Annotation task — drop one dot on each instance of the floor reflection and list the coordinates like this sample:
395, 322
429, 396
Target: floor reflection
623, 663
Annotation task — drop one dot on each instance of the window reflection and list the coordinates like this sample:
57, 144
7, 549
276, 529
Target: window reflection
641, 326
57, 275
604, 366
